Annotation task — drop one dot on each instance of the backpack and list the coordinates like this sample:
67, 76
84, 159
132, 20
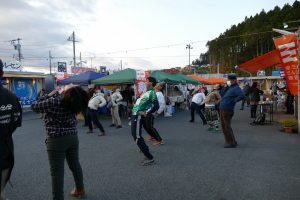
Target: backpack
260, 119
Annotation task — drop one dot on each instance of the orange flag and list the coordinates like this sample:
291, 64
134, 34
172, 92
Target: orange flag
287, 49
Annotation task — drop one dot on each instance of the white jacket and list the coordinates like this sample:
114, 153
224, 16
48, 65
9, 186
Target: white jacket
116, 97
97, 101
161, 101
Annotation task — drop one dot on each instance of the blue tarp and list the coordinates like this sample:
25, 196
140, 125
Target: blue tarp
82, 79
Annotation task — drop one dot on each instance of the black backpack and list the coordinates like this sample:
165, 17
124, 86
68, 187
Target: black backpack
260, 119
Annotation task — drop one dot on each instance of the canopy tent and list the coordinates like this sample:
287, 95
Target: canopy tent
81, 79
261, 62
126, 76
167, 78
185, 79
199, 78
215, 80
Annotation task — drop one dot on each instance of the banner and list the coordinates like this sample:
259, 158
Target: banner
61, 75
141, 87
26, 90
79, 70
287, 49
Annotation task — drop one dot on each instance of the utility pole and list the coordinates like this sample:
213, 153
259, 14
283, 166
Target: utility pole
17, 47
50, 58
188, 46
72, 38
121, 65
80, 60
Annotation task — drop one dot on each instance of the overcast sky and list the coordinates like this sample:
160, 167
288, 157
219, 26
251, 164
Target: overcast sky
147, 34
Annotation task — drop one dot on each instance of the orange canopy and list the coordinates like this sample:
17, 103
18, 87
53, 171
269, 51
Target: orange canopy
198, 78
215, 80
209, 81
261, 62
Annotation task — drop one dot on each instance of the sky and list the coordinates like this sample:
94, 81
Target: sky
139, 34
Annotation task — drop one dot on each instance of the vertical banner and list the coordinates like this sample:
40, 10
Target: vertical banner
287, 48
141, 87
25, 90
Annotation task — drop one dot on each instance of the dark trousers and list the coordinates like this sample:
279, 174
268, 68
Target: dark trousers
136, 131
59, 149
85, 118
148, 126
253, 109
225, 117
197, 108
92, 116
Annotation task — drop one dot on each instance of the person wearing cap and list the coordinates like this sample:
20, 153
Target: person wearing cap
10, 120
233, 95
115, 98
149, 124
146, 105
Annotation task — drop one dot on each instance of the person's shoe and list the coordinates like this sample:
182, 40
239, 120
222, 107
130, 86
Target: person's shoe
88, 132
119, 126
191, 121
147, 161
158, 143
242, 109
102, 134
78, 193
149, 139
112, 125
234, 145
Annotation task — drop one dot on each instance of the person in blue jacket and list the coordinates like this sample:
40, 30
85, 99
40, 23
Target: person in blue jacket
232, 95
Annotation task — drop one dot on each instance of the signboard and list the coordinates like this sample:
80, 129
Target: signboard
61, 75
287, 47
141, 87
12, 66
26, 90
79, 70
62, 67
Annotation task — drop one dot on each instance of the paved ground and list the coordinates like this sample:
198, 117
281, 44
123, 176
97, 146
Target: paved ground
191, 165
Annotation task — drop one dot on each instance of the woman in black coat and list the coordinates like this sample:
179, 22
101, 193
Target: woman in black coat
10, 119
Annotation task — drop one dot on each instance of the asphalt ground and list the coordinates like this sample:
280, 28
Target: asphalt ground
192, 164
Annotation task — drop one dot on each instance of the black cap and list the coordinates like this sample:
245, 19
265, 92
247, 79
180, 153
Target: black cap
231, 77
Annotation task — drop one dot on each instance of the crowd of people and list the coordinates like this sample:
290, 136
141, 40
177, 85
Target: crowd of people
59, 111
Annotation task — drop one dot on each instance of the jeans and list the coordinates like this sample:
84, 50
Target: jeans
59, 149
197, 108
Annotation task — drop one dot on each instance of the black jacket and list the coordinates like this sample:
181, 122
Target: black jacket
10, 119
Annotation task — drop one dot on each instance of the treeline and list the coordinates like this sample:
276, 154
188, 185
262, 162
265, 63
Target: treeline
251, 38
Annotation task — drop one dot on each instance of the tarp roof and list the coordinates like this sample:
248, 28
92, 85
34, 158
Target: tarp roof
120, 77
81, 79
260, 62
186, 79
199, 78
166, 77
215, 80
209, 81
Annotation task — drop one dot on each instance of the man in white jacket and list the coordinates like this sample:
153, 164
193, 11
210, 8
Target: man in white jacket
154, 135
97, 101
116, 98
